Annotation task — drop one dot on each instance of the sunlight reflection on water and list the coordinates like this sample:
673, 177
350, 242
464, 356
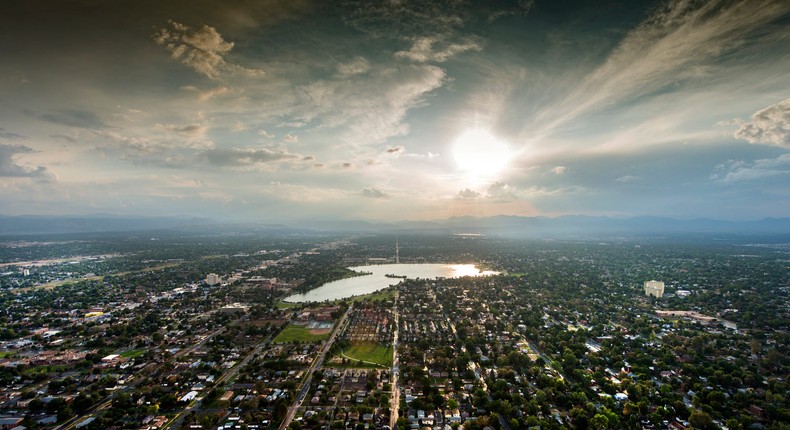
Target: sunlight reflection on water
377, 279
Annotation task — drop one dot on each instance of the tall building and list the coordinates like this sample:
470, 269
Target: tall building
212, 279
654, 288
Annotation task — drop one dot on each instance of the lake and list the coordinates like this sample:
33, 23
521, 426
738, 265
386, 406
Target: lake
377, 280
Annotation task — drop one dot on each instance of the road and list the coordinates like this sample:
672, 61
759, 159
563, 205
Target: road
72, 422
395, 395
229, 375
317, 363
549, 362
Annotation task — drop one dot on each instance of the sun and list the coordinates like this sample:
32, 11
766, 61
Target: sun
480, 154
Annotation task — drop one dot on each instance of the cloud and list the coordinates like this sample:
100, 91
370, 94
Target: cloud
203, 50
628, 179
371, 108
374, 193
9, 167
190, 131
523, 8
673, 45
69, 139
501, 191
291, 138
425, 49
347, 165
409, 17
208, 94
737, 170
129, 146
770, 126
428, 155
244, 156
9, 135
267, 135
559, 170
395, 150
238, 127
357, 66
74, 118
467, 193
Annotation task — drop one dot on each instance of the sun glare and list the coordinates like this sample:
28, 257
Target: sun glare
480, 154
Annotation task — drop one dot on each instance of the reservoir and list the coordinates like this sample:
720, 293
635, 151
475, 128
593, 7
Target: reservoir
378, 280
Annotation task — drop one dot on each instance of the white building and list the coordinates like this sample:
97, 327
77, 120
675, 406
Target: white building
654, 288
212, 279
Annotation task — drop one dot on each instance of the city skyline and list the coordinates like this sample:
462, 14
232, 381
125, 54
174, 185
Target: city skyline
297, 110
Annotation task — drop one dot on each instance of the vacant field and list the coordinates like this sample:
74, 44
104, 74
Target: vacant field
370, 352
133, 353
298, 333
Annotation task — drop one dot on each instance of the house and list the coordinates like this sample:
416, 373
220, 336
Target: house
188, 397
9, 422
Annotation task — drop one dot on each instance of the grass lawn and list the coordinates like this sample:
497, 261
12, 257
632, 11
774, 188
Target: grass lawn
133, 353
287, 305
370, 351
5, 354
299, 333
382, 294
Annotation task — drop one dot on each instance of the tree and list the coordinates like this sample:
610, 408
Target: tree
701, 420
599, 422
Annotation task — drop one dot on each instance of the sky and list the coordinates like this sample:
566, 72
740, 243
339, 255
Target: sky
299, 110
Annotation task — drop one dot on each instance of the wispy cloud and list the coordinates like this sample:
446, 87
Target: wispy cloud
357, 66
628, 179
433, 49
370, 108
737, 170
675, 44
374, 193
77, 118
190, 131
245, 156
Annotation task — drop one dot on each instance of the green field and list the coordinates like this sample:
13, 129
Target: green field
370, 352
287, 305
297, 333
384, 295
132, 353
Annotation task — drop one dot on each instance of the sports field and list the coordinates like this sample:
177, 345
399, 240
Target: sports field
298, 333
370, 352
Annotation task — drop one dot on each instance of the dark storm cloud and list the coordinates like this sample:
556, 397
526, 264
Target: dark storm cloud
395, 149
9, 135
9, 167
73, 118
245, 157
374, 193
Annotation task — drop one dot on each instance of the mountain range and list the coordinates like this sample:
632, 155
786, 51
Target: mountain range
508, 226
